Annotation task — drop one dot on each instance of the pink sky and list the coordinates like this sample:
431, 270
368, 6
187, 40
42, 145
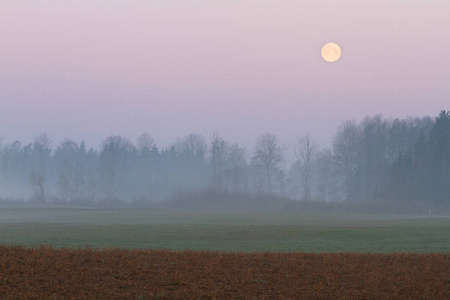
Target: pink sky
88, 69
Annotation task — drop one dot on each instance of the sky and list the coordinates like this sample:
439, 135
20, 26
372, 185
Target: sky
84, 69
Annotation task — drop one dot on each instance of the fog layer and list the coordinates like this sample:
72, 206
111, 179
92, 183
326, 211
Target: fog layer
403, 162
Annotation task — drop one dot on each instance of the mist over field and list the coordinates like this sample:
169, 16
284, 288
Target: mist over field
376, 165
238, 104
266, 149
269, 149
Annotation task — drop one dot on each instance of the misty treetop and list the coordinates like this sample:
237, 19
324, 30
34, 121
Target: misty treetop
402, 161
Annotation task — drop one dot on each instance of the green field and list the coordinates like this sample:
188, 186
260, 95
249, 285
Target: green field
225, 231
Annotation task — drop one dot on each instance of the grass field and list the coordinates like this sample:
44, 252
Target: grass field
275, 231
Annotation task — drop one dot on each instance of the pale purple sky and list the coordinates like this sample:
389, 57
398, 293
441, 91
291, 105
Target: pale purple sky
88, 69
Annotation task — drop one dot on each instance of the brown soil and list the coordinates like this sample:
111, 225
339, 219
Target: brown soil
143, 274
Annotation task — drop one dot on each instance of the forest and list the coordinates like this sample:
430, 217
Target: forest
402, 162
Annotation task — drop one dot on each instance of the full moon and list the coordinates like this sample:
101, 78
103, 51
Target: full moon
331, 52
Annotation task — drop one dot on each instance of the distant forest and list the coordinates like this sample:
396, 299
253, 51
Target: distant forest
401, 162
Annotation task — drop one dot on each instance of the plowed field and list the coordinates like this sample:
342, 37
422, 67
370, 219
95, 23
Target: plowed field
160, 274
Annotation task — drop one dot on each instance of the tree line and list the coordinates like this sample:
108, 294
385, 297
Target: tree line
402, 161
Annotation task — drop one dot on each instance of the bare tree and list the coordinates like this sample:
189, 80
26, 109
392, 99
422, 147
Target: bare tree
219, 151
327, 186
145, 142
268, 155
42, 158
65, 181
236, 167
113, 161
346, 149
69, 161
144, 168
280, 178
374, 154
16, 169
191, 150
194, 146
305, 151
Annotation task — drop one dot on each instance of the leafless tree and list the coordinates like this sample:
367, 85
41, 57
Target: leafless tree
305, 151
219, 151
194, 146
42, 158
327, 184
236, 166
69, 161
145, 142
113, 161
144, 170
268, 155
374, 154
345, 151
281, 179
193, 151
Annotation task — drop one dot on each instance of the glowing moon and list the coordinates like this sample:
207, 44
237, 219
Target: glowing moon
331, 52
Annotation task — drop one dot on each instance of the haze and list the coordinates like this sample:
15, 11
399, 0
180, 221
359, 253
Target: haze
89, 69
